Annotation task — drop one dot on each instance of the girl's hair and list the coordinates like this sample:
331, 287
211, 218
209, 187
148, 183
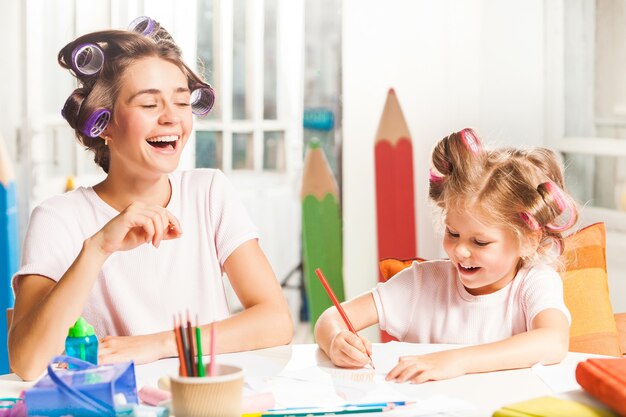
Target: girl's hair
99, 90
519, 190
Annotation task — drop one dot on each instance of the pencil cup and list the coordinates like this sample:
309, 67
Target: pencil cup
210, 396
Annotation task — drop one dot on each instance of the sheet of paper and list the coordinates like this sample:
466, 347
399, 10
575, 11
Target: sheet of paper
562, 377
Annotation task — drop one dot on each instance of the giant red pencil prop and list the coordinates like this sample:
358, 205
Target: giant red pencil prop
395, 200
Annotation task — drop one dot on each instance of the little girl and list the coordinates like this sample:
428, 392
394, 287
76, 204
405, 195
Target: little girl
504, 213
148, 241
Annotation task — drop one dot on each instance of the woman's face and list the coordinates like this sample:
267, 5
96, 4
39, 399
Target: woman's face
152, 118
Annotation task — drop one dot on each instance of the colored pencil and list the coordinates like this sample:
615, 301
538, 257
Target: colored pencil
9, 245
183, 338
179, 347
319, 411
193, 370
395, 200
342, 312
199, 345
321, 230
212, 350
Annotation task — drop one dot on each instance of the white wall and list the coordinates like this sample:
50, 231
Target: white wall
475, 63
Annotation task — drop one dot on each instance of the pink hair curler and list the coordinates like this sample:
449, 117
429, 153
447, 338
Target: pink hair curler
471, 141
530, 220
563, 204
434, 176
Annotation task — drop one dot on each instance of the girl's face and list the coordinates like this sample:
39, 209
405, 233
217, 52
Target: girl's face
152, 118
486, 257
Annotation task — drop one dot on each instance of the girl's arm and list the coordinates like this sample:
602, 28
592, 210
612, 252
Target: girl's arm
547, 343
333, 337
45, 310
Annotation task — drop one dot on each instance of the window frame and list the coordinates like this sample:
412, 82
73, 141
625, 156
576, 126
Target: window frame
556, 138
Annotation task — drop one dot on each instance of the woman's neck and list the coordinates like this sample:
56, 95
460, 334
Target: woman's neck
120, 192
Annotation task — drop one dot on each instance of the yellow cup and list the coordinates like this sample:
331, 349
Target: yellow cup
209, 396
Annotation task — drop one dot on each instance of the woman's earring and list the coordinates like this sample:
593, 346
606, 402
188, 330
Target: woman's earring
106, 140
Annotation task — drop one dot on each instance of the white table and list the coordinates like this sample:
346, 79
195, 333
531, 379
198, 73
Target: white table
299, 373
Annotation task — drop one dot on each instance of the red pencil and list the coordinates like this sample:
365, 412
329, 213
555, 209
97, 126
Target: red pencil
179, 346
344, 316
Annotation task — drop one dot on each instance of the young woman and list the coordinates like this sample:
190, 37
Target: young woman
147, 242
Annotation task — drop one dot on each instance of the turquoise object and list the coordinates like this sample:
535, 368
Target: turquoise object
81, 342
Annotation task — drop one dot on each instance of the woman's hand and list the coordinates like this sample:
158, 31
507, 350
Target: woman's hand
430, 367
141, 349
137, 224
349, 351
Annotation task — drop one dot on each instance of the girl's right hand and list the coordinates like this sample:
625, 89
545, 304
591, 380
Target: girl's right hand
137, 224
348, 350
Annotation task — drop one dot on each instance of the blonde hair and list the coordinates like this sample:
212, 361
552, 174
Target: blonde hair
519, 190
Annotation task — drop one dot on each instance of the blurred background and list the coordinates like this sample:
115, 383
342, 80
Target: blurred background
522, 73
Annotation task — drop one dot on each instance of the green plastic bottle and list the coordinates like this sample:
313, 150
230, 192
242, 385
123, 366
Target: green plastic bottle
81, 342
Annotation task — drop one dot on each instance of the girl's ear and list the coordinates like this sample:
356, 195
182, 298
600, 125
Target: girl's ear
531, 244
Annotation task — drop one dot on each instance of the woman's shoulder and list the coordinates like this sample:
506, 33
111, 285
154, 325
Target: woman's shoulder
67, 202
205, 178
198, 174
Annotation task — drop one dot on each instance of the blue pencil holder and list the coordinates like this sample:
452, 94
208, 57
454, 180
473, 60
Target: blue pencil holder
86, 390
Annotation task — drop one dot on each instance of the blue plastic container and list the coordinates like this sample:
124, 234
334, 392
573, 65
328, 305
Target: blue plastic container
81, 342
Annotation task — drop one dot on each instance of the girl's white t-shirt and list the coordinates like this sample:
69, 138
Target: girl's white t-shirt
427, 303
139, 291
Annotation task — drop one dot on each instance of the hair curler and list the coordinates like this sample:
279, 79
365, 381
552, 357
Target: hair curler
202, 100
87, 59
566, 217
143, 25
96, 123
471, 141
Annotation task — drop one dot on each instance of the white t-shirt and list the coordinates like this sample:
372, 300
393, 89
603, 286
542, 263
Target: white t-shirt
427, 303
138, 291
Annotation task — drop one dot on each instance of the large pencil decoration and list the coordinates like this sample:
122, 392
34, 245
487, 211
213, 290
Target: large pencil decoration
395, 202
9, 247
321, 231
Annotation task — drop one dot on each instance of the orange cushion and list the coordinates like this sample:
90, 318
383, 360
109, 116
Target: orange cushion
586, 289
391, 266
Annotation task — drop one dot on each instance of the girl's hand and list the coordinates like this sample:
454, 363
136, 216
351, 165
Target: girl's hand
431, 367
350, 351
141, 349
137, 224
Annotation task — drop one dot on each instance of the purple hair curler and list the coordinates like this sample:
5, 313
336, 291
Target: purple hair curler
96, 123
142, 25
87, 59
202, 100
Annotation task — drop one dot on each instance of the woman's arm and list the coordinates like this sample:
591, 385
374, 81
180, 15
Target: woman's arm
333, 337
45, 310
265, 320
547, 343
